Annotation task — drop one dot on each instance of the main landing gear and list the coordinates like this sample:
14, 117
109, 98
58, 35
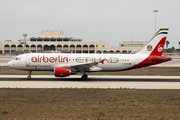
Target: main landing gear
29, 77
84, 75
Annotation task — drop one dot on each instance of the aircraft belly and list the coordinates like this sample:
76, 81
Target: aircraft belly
115, 67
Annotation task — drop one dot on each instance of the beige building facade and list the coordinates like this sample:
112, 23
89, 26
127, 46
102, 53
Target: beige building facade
53, 41
133, 43
52, 33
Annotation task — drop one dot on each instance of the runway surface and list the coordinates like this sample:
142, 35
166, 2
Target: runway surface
133, 82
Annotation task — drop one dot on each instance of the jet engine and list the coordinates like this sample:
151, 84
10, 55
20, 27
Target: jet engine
62, 71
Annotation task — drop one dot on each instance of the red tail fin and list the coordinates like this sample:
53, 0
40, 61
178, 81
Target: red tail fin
158, 50
156, 44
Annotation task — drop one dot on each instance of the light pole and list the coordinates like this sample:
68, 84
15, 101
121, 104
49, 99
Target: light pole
25, 35
155, 18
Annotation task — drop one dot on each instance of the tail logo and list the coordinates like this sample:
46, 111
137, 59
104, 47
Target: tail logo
160, 48
149, 47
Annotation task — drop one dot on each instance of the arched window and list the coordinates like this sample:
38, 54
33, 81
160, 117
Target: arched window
117, 51
65, 46
72, 46
59, 45
91, 45
124, 52
33, 46
46, 47
111, 51
78, 46
105, 51
40, 46
13, 45
20, 46
85, 46
52, 47
6, 45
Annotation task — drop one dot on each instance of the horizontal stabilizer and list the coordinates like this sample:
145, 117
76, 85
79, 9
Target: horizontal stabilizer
158, 59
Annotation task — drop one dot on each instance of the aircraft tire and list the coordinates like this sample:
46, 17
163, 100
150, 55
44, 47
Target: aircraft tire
28, 77
84, 77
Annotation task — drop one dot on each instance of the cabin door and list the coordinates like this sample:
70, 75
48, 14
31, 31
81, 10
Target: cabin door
28, 59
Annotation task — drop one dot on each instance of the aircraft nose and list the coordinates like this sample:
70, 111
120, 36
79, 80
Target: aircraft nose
10, 64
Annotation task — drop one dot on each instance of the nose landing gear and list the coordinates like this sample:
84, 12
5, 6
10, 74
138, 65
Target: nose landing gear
29, 77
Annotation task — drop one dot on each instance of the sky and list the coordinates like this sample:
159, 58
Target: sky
91, 20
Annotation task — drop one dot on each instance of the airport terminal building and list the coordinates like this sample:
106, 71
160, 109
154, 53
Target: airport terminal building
54, 41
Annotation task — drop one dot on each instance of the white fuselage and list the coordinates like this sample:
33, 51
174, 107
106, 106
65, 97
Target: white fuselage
48, 61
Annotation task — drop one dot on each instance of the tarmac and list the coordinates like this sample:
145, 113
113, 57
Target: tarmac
105, 82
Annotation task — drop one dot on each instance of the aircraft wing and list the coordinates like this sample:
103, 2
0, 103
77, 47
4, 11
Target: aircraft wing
83, 66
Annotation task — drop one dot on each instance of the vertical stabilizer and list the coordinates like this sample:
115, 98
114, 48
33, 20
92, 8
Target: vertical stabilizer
156, 45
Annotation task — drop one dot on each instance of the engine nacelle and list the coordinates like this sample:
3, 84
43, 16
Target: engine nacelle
62, 71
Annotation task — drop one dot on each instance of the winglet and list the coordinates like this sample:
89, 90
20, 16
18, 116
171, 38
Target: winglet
102, 61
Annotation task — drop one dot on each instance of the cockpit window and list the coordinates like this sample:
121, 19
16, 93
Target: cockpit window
17, 58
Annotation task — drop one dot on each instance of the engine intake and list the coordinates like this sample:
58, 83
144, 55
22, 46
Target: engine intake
62, 71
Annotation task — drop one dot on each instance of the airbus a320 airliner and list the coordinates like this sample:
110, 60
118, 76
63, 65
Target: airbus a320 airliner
65, 64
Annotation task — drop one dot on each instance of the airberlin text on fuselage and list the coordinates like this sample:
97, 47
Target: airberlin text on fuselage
62, 59
49, 59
